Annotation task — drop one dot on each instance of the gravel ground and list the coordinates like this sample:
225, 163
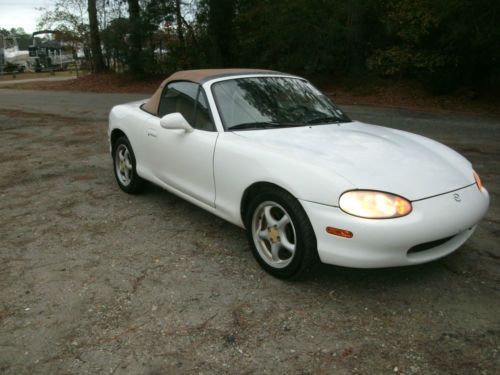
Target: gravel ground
95, 281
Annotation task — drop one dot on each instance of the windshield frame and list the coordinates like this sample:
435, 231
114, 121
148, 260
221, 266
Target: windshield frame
215, 102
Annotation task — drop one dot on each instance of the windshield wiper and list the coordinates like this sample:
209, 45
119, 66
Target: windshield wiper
264, 125
325, 120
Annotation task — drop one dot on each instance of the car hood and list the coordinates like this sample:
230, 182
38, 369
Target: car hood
372, 157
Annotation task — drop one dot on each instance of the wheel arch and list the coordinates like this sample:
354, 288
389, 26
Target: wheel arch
116, 133
254, 189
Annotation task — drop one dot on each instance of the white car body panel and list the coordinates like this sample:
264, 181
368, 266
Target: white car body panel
236, 169
385, 242
176, 165
372, 157
316, 164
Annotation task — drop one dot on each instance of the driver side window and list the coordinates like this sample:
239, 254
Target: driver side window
179, 97
188, 99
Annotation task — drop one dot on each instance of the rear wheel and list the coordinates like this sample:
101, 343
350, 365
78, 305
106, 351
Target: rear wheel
280, 234
124, 167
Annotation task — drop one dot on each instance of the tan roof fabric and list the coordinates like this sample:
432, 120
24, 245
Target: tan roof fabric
197, 76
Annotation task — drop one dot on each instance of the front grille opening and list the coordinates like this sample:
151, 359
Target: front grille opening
428, 245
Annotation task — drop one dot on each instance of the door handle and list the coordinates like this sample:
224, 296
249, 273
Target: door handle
151, 133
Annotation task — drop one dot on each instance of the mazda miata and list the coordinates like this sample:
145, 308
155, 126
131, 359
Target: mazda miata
269, 152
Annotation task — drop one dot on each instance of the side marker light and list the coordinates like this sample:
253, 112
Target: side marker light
339, 232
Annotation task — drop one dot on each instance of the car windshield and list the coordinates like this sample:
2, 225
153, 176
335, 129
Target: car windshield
273, 102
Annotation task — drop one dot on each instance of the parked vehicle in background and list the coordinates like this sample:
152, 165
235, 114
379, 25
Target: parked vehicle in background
11, 57
49, 54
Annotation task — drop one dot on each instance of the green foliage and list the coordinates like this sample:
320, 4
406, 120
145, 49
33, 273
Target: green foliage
306, 36
469, 34
23, 39
441, 43
115, 44
408, 25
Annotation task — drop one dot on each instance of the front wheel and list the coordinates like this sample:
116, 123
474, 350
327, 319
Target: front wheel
280, 234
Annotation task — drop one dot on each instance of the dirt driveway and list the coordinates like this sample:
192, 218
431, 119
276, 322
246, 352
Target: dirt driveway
95, 281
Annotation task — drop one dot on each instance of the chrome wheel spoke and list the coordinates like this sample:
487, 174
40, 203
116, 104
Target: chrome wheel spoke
283, 221
264, 234
287, 245
275, 248
270, 220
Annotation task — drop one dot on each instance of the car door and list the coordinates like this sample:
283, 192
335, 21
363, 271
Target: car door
184, 160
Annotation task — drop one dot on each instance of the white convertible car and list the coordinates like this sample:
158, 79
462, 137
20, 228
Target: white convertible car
269, 152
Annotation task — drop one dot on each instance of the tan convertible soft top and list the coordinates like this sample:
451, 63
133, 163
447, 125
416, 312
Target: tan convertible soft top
198, 76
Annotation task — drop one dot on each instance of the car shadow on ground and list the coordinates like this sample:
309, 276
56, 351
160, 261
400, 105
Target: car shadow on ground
321, 273
377, 277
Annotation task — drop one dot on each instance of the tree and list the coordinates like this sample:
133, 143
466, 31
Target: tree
220, 29
441, 43
23, 39
115, 46
178, 16
95, 40
70, 19
135, 32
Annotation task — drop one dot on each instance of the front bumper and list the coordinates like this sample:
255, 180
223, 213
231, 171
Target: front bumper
436, 227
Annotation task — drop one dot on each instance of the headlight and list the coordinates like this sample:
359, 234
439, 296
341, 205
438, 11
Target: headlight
479, 183
374, 204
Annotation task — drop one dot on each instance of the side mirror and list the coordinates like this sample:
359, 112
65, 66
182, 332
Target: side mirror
175, 121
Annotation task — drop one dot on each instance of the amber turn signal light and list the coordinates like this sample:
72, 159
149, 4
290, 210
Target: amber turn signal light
479, 183
339, 232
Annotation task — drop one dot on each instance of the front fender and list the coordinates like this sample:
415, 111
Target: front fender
239, 163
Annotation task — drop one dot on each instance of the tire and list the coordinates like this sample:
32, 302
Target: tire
124, 167
281, 237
